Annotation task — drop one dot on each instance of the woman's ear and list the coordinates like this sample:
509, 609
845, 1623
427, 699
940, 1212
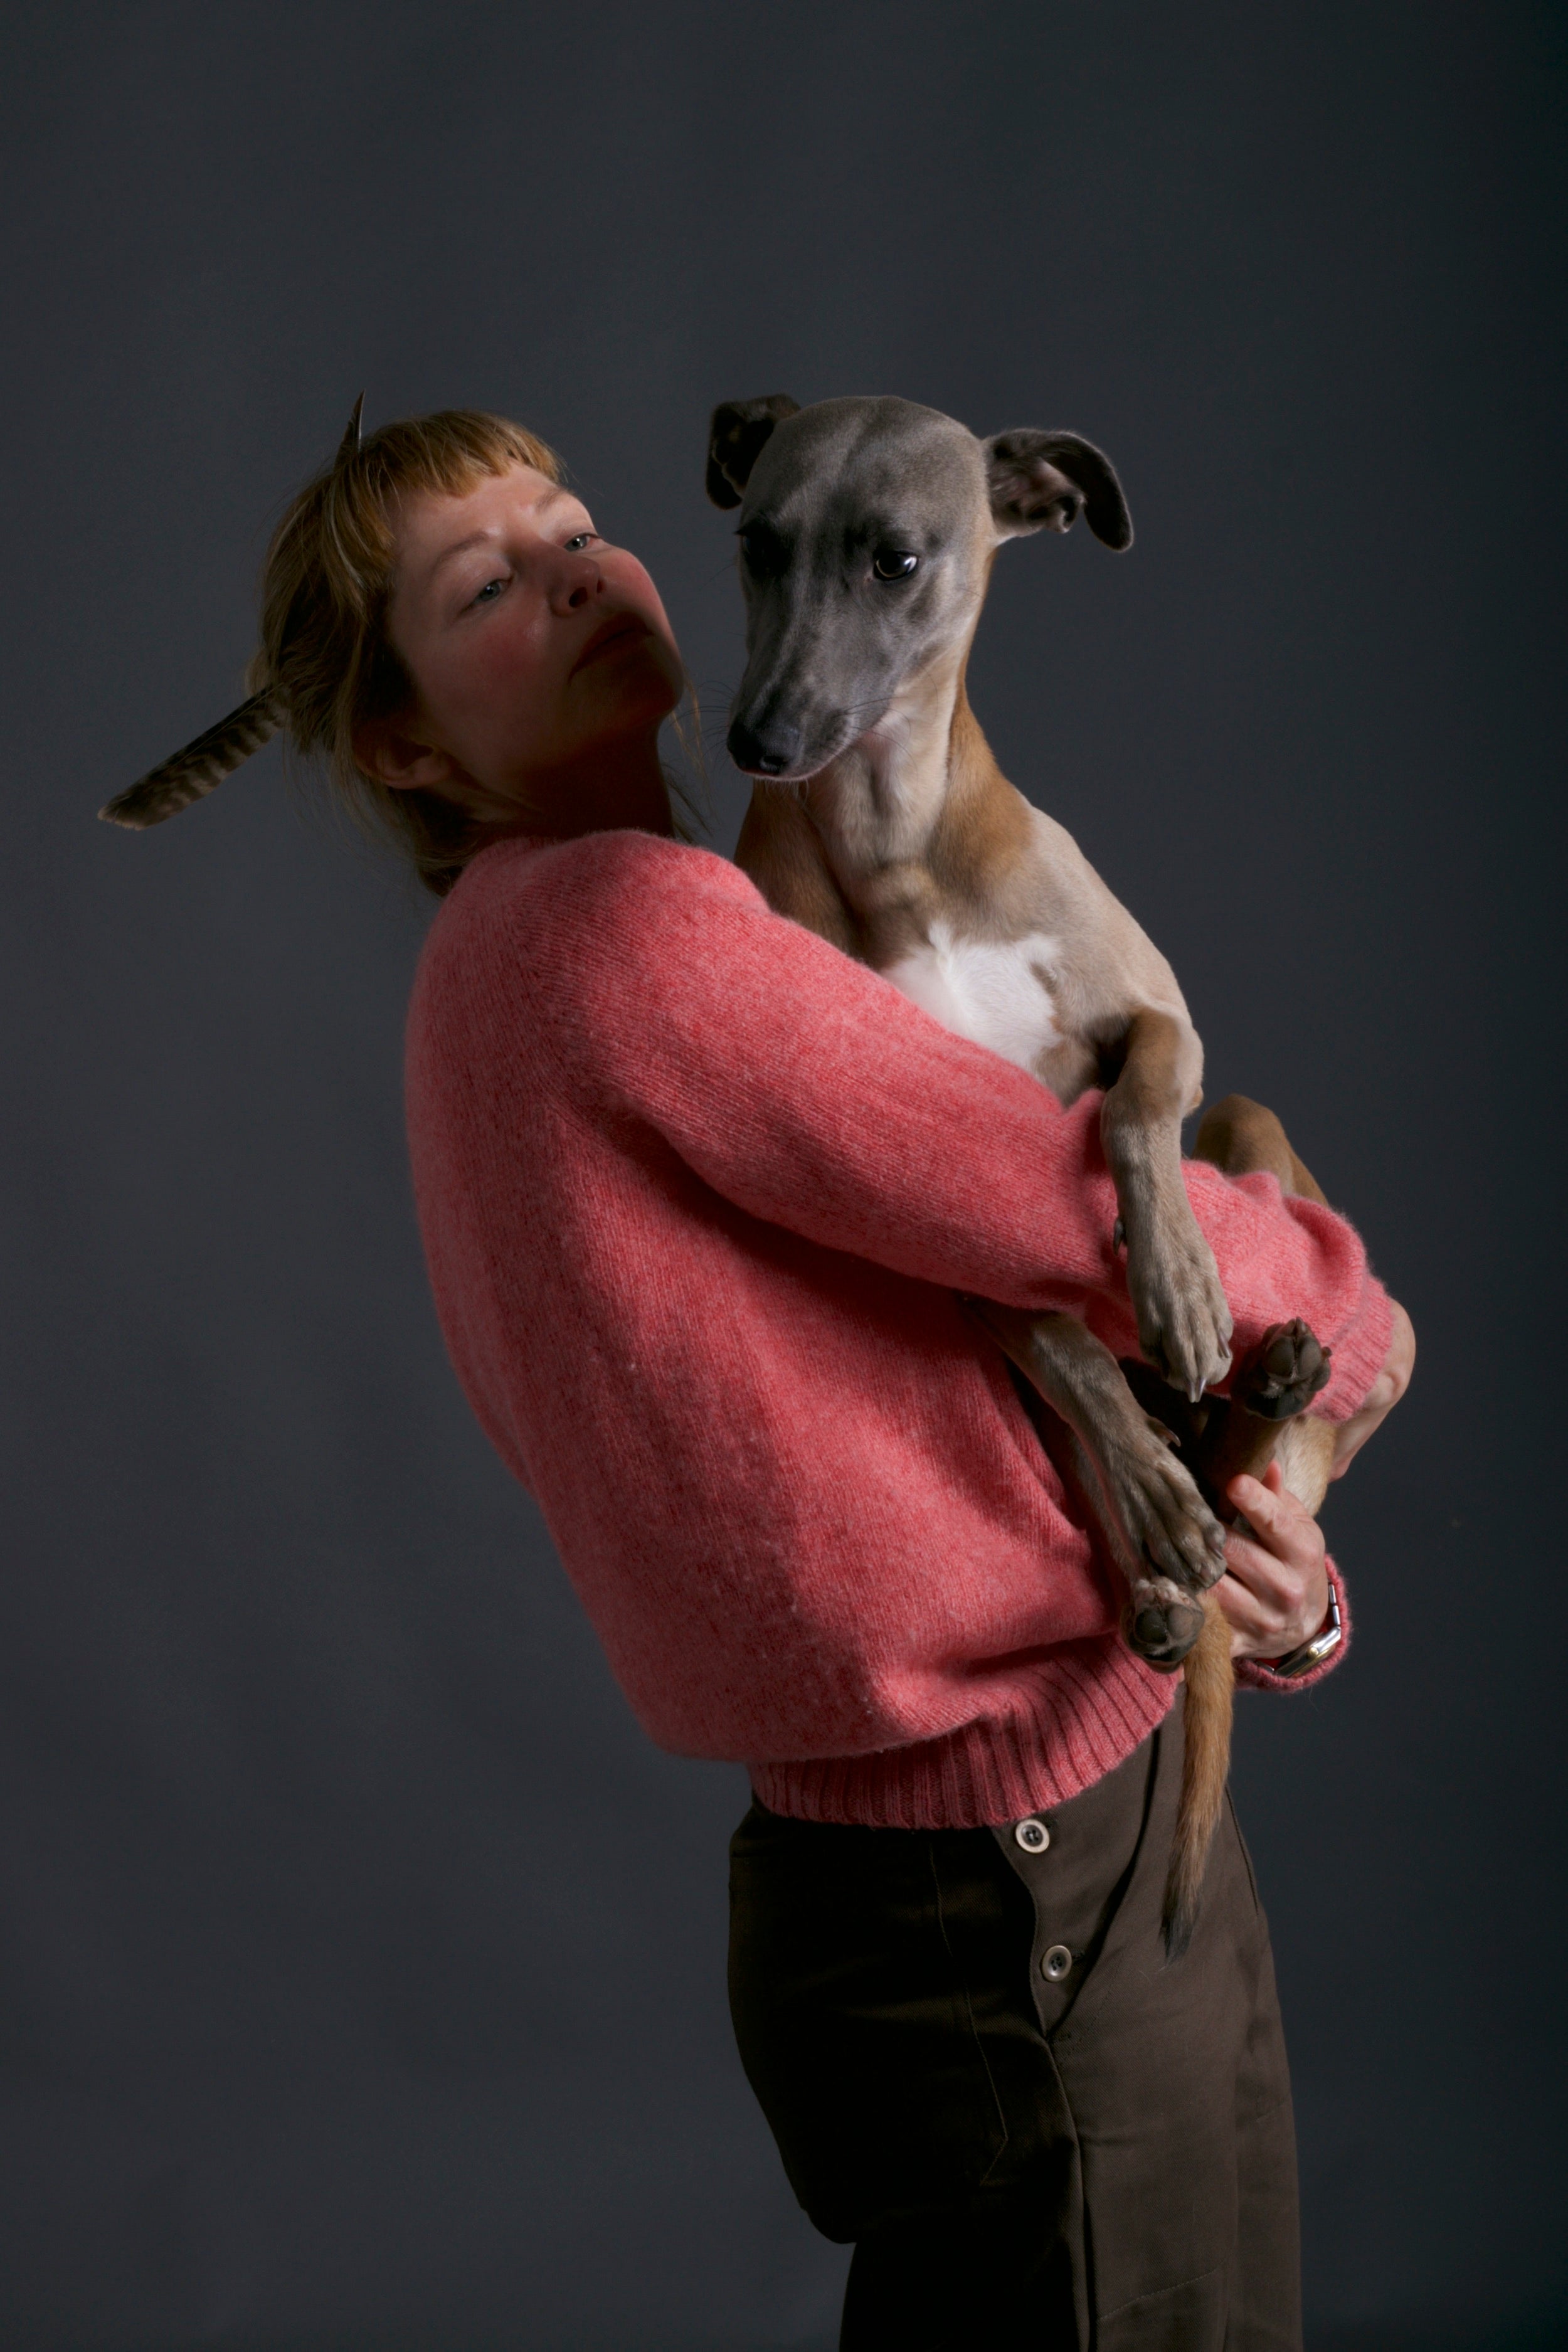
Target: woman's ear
403, 762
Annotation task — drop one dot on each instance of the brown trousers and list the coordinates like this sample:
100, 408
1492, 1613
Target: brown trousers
980, 2068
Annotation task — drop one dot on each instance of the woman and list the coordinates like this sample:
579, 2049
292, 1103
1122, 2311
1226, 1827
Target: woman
698, 1196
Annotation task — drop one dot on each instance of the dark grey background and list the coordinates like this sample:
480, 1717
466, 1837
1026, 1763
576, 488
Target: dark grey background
361, 1965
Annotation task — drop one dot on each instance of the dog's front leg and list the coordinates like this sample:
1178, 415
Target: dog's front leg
1184, 1323
1161, 1534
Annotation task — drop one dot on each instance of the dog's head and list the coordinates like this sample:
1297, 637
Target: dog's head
867, 530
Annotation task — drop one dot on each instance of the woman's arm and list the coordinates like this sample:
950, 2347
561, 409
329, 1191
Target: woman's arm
807, 1091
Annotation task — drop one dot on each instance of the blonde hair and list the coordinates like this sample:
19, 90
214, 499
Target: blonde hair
325, 656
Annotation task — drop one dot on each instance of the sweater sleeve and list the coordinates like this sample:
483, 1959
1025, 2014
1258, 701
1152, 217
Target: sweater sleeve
807, 1091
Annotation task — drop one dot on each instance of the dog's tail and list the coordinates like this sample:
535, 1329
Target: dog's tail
1205, 1761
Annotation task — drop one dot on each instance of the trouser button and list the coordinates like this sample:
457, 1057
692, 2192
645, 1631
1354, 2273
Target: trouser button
1033, 1835
1055, 1963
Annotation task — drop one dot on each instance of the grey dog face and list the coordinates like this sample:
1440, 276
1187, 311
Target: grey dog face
867, 528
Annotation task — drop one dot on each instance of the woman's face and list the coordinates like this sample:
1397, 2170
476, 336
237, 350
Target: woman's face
541, 659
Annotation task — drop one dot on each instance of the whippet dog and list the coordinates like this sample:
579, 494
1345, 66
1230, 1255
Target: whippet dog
880, 820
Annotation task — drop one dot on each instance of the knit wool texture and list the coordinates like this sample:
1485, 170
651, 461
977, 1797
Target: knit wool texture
699, 1194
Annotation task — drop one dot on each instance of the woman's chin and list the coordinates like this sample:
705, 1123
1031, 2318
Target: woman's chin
660, 666
633, 688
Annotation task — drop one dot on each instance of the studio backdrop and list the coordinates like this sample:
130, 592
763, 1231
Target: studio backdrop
361, 1964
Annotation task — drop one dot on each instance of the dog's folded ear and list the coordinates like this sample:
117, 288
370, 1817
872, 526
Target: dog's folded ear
1043, 481
735, 439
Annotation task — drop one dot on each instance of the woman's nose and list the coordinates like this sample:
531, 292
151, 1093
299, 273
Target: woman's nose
577, 581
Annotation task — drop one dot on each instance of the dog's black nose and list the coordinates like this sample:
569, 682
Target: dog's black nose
765, 751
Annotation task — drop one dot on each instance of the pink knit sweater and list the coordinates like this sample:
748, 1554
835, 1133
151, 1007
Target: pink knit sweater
697, 1192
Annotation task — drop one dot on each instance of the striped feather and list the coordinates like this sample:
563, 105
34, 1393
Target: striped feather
165, 789
353, 434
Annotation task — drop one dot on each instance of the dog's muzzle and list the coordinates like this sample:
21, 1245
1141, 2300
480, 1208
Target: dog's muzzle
772, 751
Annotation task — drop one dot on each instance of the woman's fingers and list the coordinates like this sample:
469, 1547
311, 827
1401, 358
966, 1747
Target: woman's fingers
1256, 1629
1266, 1624
1283, 1524
1275, 1592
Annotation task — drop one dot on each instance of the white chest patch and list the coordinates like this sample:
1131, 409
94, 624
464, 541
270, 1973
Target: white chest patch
992, 991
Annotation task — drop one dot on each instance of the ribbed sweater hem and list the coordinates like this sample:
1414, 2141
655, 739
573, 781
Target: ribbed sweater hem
1084, 1710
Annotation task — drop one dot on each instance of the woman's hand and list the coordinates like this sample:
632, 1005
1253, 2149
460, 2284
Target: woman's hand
1384, 1395
1275, 1589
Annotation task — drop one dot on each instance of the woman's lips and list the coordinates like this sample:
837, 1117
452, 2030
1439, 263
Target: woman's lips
621, 627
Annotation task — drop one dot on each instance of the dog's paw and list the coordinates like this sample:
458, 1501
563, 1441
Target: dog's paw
1283, 1373
1161, 1626
1183, 1322
1170, 1529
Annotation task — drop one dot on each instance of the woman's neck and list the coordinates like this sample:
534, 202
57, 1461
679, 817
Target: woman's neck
616, 787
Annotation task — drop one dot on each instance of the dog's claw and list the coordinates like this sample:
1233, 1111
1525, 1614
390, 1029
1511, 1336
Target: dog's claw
1175, 1545
1183, 1322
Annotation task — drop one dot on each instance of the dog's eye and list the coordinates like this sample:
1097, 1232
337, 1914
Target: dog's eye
759, 549
894, 563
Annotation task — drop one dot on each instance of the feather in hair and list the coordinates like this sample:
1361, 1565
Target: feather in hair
193, 771
174, 783
352, 432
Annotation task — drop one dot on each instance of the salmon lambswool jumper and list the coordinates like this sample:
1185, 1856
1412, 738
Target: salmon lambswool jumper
699, 1194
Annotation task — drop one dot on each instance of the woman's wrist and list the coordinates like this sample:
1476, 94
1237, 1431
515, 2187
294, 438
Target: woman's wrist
1264, 1673
1316, 1648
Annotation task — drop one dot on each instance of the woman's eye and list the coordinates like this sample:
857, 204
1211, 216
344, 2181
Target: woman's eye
578, 541
894, 563
489, 591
